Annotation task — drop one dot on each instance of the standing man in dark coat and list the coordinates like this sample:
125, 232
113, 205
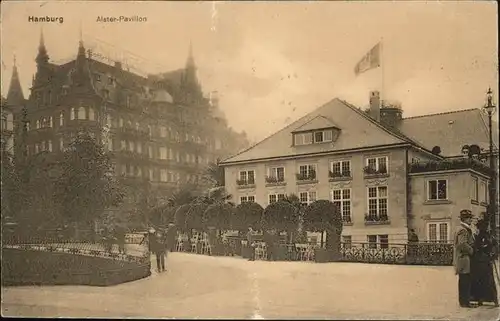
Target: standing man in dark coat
251, 244
462, 251
159, 248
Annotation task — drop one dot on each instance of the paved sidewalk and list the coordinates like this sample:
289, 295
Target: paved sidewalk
225, 287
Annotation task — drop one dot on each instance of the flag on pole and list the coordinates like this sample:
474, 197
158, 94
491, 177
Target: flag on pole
369, 61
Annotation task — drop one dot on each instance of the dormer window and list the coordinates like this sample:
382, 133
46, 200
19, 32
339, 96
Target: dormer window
97, 77
314, 137
111, 81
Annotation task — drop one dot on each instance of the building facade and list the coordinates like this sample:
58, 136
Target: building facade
383, 173
160, 130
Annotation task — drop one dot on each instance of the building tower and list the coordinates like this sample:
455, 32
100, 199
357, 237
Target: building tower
190, 86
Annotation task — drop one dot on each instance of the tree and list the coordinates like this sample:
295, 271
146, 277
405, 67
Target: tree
215, 174
184, 195
321, 216
87, 185
247, 214
281, 215
217, 217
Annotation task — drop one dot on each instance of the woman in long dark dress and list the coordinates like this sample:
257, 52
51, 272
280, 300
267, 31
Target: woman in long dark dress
483, 286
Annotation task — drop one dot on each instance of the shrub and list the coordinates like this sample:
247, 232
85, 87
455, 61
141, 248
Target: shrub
246, 215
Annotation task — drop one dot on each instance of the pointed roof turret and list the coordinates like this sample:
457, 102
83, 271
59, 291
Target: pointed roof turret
42, 57
189, 81
15, 95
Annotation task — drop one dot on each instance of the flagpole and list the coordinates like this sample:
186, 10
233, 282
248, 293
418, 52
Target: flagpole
382, 62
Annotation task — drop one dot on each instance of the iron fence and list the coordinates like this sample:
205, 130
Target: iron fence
135, 247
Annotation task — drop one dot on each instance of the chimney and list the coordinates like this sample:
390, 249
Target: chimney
375, 105
391, 114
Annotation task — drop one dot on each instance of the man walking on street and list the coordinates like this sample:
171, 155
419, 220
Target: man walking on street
462, 251
159, 248
251, 244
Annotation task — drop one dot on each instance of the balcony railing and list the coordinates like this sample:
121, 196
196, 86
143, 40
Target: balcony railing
345, 175
462, 163
306, 178
275, 181
133, 132
130, 155
370, 171
243, 183
376, 219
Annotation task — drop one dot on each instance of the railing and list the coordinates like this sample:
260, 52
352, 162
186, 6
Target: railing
135, 247
416, 253
461, 163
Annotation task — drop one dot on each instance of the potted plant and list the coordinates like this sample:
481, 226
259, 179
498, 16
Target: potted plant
323, 216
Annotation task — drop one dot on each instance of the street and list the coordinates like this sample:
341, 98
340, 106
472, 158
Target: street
197, 286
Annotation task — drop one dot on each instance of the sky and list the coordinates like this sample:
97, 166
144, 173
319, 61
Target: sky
273, 62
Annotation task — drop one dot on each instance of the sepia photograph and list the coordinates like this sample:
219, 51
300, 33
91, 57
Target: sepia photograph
250, 160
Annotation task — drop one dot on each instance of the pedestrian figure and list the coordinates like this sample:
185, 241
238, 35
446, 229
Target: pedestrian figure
483, 286
171, 237
251, 244
269, 239
158, 246
120, 238
462, 251
107, 240
412, 244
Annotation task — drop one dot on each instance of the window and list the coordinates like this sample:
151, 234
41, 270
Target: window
347, 240
376, 165
303, 138
372, 241
61, 119
384, 241
340, 169
61, 144
342, 199
110, 143
139, 148
247, 178
131, 146
307, 198
151, 174
50, 122
276, 198
74, 113
437, 190
124, 145
81, 113
97, 77
37, 124
163, 131
307, 172
120, 122
244, 199
475, 189
377, 203
170, 154
438, 232
483, 192
163, 175
150, 151
91, 114
49, 146
276, 174
163, 153
137, 126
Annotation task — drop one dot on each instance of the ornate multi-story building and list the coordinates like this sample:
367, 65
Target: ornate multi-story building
160, 130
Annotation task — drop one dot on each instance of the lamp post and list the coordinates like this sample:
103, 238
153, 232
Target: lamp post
490, 109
